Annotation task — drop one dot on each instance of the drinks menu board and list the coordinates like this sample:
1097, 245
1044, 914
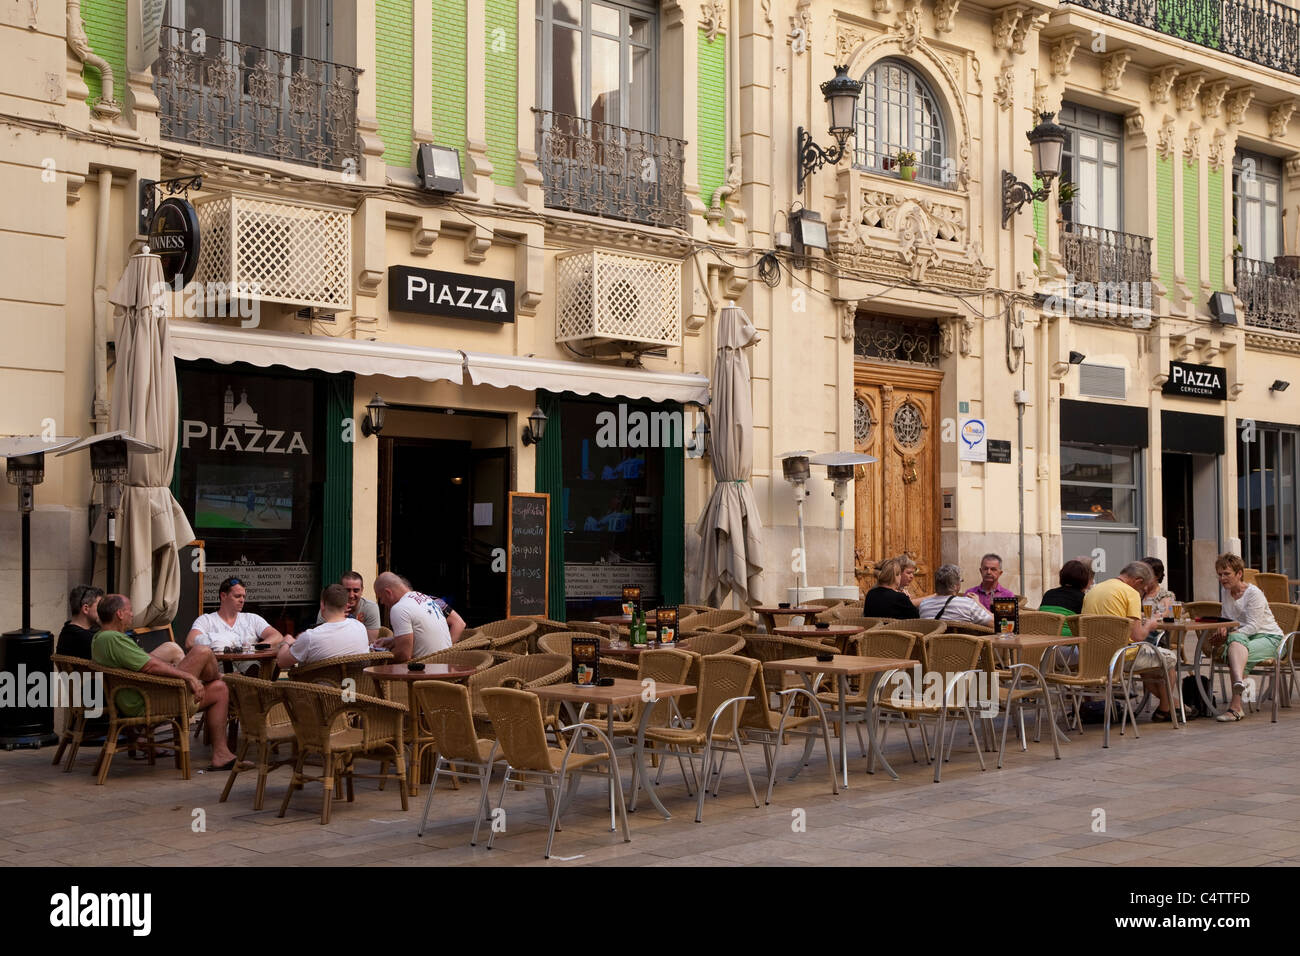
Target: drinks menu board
666, 618
586, 661
1006, 615
528, 561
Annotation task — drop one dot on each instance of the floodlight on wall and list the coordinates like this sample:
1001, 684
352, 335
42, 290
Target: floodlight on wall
438, 169
373, 423
1076, 358
807, 231
841, 93
1047, 142
1279, 385
1223, 309
794, 465
841, 467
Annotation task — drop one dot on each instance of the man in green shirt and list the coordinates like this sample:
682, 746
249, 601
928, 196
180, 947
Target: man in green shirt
199, 668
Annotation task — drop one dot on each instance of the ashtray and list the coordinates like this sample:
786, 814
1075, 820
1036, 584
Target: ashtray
822, 625
825, 658
415, 666
1168, 620
784, 604
261, 647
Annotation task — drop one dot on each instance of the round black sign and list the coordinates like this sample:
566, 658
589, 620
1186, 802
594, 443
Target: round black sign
174, 235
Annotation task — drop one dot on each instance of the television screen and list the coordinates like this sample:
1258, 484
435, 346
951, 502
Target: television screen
244, 497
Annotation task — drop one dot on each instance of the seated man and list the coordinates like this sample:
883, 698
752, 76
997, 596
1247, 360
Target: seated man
422, 625
339, 636
946, 604
988, 588
112, 648
229, 625
83, 621
360, 609
1121, 596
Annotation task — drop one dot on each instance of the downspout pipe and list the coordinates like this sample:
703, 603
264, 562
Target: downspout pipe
100, 409
79, 43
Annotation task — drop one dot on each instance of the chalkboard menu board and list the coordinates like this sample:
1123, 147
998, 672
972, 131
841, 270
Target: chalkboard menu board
527, 565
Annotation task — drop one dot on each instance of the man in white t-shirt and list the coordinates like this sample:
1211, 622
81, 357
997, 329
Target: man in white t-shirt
338, 636
228, 625
421, 625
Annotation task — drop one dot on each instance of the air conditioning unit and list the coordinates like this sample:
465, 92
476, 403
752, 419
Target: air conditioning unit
609, 303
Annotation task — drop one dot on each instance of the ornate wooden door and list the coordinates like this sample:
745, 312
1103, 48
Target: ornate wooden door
897, 499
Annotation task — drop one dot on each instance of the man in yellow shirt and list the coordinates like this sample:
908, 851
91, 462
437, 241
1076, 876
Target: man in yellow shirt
1121, 596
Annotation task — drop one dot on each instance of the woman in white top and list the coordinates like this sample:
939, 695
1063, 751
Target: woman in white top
946, 604
1257, 635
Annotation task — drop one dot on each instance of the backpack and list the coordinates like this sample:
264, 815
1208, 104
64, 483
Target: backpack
1192, 698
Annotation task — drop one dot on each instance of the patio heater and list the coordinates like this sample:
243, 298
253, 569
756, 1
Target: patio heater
794, 464
840, 468
108, 466
26, 648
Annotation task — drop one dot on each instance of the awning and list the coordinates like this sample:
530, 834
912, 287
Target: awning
508, 371
193, 340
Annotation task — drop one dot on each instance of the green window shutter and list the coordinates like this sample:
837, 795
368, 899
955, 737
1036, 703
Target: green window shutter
449, 70
502, 95
394, 78
672, 564
1040, 222
105, 22
1165, 226
1192, 229
549, 478
711, 134
1218, 251
336, 531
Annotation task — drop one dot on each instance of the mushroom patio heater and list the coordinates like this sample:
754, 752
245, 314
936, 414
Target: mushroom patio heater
840, 468
27, 650
794, 464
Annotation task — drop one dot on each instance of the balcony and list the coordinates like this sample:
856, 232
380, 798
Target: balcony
1262, 31
1106, 266
248, 99
1269, 295
610, 171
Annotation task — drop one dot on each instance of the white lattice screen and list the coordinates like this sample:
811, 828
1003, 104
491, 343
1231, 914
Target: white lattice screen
272, 251
606, 296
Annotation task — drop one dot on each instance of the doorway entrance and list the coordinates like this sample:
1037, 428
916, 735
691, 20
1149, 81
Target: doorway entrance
1190, 524
442, 517
896, 507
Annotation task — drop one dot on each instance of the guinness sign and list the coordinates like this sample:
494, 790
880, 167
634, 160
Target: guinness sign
174, 236
451, 294
1197, 381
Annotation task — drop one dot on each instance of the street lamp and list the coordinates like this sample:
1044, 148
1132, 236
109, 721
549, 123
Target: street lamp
1047, 141
536, 426
840, 468
26, 648
841, 93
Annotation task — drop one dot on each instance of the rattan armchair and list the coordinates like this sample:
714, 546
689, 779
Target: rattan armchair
921, 625
762, 724
711, 642
167, 700
521, 673
333, 671
510, 634
338, 727
1276, 587
877, 642
720, 621
562, 642
546, 626
1040, 622
663, 666
852, 610
74, 731
685, 610
264, 723
444, 715
516, 716
1199, 609
967, 627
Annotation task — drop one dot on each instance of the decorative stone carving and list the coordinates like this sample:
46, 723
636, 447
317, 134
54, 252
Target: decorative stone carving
1186, 90
1165, 138
1062, 54
909, 25
1112, 69
1004, 27
882, 6
955, 335
1237, 103
1021, 32
766, 7
713, 14
847, 39
1212, 98
1293, 167
1235, 390
945, 12
847, 311
1040, 96
1279, 117
1192, 144
1004, 94
1135, 124
1162, 80
910, 238
1217, 145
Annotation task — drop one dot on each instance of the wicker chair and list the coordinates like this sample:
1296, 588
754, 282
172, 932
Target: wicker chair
74, 731
711, 642
866, 623
846, 611
827, 604
1041, 622
920, 625
685, 610
167, 700
771, 649
562, 642
445, 716
516, 716
509, 635
1276, 587
874, 643
264, 723
768, 727
522, 673
546, 626
725, 684
722, 621
1198, 609
476, 643
324, 725
333, 671
968, 627
664, 666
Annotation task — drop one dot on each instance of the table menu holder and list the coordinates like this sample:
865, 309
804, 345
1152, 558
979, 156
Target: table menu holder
666, 621
586, 661
1006, 615
631, 598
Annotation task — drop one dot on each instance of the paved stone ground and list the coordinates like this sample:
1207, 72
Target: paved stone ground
1208, 794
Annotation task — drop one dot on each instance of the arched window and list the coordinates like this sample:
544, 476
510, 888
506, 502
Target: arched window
898, 111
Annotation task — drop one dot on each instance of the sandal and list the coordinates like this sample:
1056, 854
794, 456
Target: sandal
1230, 716
1160, 717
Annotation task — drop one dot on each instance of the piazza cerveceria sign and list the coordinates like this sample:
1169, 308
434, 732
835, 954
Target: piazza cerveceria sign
451, 294
1197, 381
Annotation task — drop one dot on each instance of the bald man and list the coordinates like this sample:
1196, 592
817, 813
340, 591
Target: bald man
422, 625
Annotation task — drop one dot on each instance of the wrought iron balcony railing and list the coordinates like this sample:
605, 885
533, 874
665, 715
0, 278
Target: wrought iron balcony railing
1107, 266
1262, 31
1269, 295
611, 171
249, 99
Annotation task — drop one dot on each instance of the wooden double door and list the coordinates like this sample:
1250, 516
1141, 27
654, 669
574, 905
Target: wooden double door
897, 506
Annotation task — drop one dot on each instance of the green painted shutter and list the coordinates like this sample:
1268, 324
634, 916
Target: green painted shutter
395, 79
711, 134
1192, 230
336, 530
1218, 251
549, 478
449, 70
1040, 222
1165, 221
105, 22
502, 95
672, 563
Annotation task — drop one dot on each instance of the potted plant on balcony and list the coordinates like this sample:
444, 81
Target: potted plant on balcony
906, 161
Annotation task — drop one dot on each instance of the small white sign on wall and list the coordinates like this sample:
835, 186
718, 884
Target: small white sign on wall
971, 445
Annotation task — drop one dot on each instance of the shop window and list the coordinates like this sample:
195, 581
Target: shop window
1099, 486
1267, 465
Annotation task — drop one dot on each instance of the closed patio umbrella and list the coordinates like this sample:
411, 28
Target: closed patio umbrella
152, 527
730, 526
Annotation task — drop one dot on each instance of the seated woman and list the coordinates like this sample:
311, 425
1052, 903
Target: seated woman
948, 604
1068, 598
887, 599
1257, 635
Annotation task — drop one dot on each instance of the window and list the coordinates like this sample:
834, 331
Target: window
1266, 498
898, 111
1092, 163
1099, 485
597, 60
1256, 191
299, 27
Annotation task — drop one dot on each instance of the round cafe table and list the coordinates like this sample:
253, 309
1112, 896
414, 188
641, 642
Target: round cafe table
770, 613
420, 743
1178, 631
840, 632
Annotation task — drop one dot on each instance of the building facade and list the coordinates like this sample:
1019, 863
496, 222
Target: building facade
626, 169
